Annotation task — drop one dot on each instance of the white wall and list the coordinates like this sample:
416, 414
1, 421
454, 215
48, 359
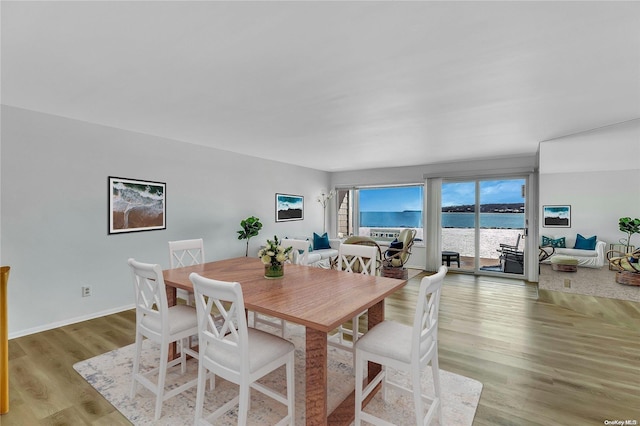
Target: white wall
55, 202
598, 174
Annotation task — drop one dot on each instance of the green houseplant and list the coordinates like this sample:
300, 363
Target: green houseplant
628, 226
251, 227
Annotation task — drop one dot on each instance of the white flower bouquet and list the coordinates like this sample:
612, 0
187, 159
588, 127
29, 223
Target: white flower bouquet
273, 256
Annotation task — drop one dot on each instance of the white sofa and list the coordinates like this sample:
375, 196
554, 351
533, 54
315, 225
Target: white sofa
586, 258
320, 258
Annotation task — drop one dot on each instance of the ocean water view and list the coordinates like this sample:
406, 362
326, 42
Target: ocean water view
413, 219
487, 220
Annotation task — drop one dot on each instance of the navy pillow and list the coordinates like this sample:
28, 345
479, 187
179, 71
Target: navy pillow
583, 243
395, 244
321, 242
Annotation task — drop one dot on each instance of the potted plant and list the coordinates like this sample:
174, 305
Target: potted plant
251, 226
628, 226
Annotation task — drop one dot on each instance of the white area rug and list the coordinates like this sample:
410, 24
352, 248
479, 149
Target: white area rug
110, 374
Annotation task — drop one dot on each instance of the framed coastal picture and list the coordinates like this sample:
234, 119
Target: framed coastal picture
556, 216
136, 205
289, 207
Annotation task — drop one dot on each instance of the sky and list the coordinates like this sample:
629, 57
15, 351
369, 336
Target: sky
453, 194
491, 192
396, 199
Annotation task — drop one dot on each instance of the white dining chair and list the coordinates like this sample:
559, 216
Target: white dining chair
354, 258
300, 250
186, 253
237, 353
300, 256
162, 324
408, 348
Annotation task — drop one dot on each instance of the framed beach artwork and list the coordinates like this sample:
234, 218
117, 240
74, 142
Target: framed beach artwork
289, 207
136, 205
556, 216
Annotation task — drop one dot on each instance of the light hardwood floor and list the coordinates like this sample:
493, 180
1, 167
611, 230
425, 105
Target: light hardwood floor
540, 364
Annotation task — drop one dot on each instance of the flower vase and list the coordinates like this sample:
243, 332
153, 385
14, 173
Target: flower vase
273, 271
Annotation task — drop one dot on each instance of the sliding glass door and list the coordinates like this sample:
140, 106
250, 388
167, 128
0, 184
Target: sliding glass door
483, 225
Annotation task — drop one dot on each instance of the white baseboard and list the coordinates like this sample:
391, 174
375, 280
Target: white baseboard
51, 326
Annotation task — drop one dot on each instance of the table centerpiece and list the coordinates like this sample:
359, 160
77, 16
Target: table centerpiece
273, 256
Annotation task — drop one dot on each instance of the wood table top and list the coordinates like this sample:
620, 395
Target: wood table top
318, 298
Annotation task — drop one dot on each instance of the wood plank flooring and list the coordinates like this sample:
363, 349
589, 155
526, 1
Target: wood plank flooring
541, 364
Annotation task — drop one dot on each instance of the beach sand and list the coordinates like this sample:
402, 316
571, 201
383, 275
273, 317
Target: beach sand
137, 219
461, 240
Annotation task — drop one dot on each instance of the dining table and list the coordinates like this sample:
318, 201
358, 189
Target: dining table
318, 299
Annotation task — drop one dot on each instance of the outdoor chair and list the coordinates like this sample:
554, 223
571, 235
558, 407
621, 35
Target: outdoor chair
399, 250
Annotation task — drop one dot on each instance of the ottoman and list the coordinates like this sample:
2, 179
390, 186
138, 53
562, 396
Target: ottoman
564, 263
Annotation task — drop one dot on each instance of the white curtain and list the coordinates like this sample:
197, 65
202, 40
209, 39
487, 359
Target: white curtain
433, 213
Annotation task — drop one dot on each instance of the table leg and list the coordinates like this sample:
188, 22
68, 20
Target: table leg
316, 377
344, 414
375, 315
172, 299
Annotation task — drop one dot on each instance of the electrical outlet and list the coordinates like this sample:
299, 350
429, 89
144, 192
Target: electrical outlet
567, 283
86, 291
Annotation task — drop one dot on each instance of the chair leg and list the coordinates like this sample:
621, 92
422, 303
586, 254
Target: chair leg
136, 365
183, 354
384, 383
202, 381
162, 376
416, 379
291, 395
243, 404
355, 328
436, 383
359, 367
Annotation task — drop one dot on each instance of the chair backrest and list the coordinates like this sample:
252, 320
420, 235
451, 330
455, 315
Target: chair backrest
425, 322
151, 297
515, 246
225, 343
186, 252
300, 250
358, 258
518, 241
406, 237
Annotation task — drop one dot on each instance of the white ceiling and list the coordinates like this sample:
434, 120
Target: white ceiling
330, 85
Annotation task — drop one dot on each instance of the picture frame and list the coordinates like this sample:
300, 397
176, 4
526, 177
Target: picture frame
136, 205
289, 207
556, 216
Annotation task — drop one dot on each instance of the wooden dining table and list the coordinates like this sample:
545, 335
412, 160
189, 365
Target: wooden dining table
318, 299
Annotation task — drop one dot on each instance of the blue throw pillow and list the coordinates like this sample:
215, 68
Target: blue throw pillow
583, 243
321, 241
557, 243
395, 244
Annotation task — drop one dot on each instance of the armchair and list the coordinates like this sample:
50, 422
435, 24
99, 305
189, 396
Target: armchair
399, 251
627, 265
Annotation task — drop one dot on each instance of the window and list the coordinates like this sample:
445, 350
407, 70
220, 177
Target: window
380, 212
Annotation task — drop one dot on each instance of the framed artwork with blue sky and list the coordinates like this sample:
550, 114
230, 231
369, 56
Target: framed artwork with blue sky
556, 216
289, 207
